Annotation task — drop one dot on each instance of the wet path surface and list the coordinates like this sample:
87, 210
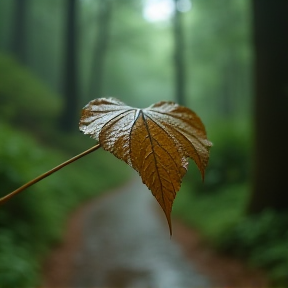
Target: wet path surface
127, 244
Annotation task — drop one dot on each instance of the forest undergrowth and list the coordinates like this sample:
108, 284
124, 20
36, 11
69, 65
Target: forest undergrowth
217, 208
29, 146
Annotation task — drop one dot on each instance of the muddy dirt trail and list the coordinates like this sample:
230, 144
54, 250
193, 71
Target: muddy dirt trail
122, 240
128, 245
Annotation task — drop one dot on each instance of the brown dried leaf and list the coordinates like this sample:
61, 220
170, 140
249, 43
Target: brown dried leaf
156, 141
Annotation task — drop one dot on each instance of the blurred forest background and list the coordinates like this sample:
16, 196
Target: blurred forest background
226, 60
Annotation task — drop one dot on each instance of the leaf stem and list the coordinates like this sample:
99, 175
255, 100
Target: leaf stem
46, 174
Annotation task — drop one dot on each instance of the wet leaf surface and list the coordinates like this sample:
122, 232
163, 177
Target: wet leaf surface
156, 141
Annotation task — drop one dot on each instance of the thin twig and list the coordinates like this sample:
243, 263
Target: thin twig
46, 174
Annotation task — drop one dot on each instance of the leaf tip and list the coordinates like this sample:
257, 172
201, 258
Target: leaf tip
168, 218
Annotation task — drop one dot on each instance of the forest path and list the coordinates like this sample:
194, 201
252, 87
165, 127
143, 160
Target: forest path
127, 244
122, 240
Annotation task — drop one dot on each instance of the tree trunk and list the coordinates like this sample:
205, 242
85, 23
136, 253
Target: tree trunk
179, 61
101, 43
18, 45
270, 188
70, 113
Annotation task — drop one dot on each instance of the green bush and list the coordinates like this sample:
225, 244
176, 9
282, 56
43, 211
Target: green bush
217, 207
219, 201
18, 267
33, 220
211, 213
262, 239
229, 163
20, 92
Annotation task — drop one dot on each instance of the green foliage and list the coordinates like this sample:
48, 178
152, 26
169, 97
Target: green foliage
229, 162
217, 207
34, 219
22, 219
263, 240
211, 214
20, 92
220, 201
18, 267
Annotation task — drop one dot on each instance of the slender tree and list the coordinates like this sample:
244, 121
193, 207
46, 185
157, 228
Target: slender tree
19, 37
179, 61
100, 50
270, 189
70, 113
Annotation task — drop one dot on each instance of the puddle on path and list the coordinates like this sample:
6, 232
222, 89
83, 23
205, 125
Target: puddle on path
126, 244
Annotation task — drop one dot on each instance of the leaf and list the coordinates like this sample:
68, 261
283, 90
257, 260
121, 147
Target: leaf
156, 141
